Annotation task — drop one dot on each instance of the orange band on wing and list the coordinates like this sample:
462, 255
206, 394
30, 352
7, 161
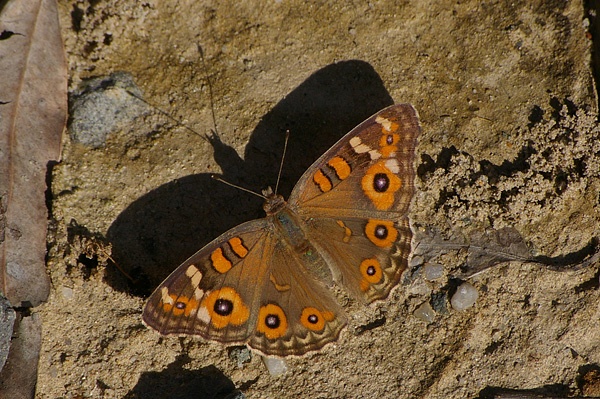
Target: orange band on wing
340, 166
322, 181
347, 231
219, 262
238, 247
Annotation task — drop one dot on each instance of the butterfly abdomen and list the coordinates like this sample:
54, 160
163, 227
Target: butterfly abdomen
289, 229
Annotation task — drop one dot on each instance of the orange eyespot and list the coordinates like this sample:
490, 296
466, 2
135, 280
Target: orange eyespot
381, 232
223, 307
380, 184
389, 144
272, 321
179, 305
314, 320
371, 271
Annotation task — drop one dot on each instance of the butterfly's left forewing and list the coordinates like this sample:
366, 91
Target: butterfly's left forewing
355, 198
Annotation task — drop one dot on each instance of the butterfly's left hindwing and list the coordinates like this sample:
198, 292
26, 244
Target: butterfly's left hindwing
355, 198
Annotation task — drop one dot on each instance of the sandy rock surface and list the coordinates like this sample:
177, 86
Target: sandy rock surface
509, 138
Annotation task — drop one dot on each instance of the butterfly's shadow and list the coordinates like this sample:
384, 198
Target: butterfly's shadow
177, 382
164, 227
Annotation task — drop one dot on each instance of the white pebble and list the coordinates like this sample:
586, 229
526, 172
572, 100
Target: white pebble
275, 366
425, 313
67, 292
433, 271
465, 297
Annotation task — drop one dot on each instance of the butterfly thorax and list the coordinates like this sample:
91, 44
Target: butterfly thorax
273, 202
285, 221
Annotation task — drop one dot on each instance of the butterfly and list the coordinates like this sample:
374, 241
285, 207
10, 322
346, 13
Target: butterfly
265, 282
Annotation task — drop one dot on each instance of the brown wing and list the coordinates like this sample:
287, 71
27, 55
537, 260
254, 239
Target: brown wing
355, 198
247, 287
211, 293
367, 256
296, 313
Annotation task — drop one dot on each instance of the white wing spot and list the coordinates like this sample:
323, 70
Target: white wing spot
385, 123
191, 270
374, 154
194, 274
166, 298
392, 165
203, 315
358, 146
198, 294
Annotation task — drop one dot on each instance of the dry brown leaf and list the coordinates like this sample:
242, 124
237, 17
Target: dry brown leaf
484, 249
19, 375
480, 250
33, 111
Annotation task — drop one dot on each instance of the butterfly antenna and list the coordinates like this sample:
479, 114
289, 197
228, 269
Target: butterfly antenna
287, 138
165, 113
210, 90
219, 178
177, 121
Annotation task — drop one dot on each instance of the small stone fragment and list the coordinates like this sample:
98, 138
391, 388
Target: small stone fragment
425, 313
465, 297
101, 105
240, 354
415, 260
7, 320
433, 271
275, 366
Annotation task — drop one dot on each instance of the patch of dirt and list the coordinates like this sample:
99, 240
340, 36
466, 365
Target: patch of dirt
509, 138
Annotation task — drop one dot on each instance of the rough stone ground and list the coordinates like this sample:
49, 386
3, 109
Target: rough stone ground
508, 109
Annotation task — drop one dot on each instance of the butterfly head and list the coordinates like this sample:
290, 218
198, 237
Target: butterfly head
273, 202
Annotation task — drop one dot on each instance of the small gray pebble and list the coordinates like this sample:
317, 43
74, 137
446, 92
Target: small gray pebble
101, 105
